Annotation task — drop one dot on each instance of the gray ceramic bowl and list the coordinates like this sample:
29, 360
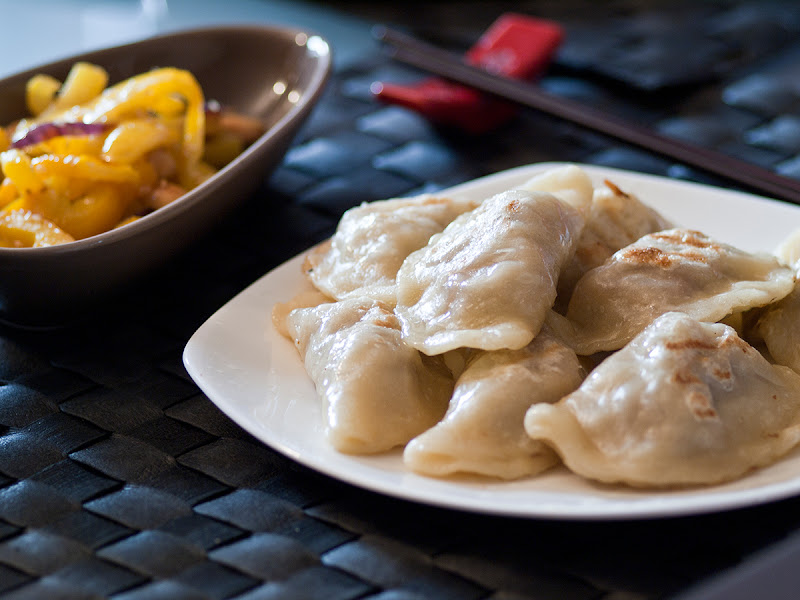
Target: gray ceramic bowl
236, 65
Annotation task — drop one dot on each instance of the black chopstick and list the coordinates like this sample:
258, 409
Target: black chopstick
427, 57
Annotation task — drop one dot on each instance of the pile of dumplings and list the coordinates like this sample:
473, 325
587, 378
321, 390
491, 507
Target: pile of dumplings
561, 322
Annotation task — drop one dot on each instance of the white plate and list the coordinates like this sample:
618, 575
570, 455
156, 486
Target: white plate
256, 377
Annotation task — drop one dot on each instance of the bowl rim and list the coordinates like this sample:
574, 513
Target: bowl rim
323, 62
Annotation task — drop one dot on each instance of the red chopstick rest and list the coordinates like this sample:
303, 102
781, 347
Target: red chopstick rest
516, 46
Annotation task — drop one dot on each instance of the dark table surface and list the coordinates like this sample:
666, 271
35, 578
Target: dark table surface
119, 478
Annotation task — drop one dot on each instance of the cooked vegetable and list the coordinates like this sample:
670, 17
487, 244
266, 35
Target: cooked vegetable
92, 158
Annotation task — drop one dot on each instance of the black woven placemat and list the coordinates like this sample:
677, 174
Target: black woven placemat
119, 478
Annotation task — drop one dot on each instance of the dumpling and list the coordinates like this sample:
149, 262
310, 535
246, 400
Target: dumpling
569, 183
788, 252
371, 242
306, 298
671, 270
489, 278
377, 392
778, 326
779, 329
684, 403
483, 431
616, 219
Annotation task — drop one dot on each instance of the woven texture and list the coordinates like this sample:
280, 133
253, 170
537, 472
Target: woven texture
119, 478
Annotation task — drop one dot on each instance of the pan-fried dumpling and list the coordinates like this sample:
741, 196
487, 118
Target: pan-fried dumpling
672, 270
684, 403
788, 252
779, 328
377, 392
306, 298
569, 183
616, 219
371, 242
489, 278
483, 431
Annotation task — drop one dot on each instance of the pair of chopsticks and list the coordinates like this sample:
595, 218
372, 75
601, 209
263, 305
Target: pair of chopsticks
422, 55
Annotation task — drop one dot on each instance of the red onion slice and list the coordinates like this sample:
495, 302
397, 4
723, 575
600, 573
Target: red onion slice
45, 131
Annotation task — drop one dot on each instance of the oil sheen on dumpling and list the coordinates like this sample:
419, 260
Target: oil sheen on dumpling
377, 392
489, 278
616, 219
684, 403
483, 431
373, 239
671, 270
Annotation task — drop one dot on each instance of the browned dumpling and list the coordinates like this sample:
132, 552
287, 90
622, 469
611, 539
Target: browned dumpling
616, 219
684, 403
671, 270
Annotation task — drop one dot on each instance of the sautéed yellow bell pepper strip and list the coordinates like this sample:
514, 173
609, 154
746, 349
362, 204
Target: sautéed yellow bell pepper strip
92, 158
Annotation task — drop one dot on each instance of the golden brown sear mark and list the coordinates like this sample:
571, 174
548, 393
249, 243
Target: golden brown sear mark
685, 378
387, 319
430, 200
700, 406
688, 237
722, 375
613, 187
693, 344
648, 256
690, 345
513, 206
